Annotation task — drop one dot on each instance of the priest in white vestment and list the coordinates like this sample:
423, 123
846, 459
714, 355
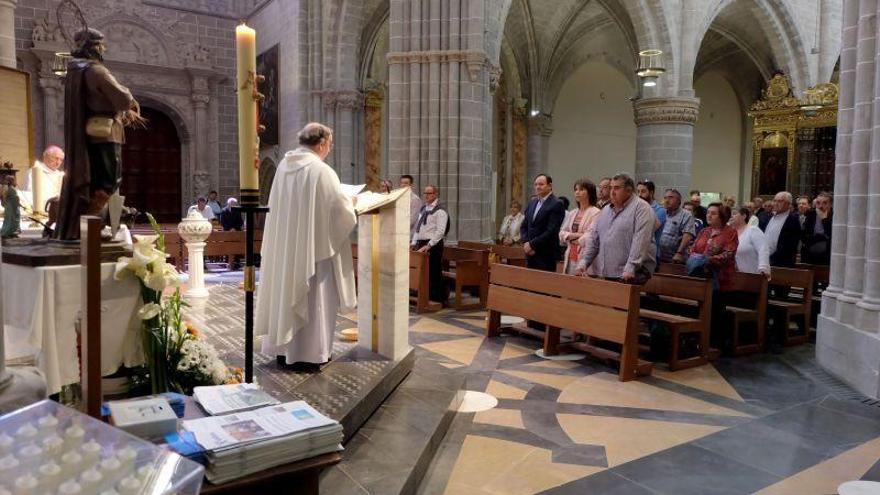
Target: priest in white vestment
50, 175
306, 273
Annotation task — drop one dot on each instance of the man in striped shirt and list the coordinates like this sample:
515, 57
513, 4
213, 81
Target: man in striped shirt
621, 246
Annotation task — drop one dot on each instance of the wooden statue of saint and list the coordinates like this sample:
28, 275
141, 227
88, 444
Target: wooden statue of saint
96, 110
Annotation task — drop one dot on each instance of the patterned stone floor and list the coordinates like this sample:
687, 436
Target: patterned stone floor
759, 424
762, 424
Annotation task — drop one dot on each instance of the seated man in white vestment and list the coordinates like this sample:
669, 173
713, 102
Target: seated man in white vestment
306, 274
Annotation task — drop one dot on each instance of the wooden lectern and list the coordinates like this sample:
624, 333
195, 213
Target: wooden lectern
383, 273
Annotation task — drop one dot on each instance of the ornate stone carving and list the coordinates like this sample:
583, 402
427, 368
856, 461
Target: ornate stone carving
495, 74
374, 94
46, 31
194, 228
520, 107
475, 60
671, 110
201, 183
133, 43
348, 100
195, 54
200, 100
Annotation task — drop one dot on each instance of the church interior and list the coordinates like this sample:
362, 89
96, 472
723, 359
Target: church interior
432, 247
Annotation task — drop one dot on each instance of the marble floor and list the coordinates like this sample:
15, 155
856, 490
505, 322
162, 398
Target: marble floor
759, 424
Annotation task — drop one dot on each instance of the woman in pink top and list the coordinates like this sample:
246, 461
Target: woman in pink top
578, 222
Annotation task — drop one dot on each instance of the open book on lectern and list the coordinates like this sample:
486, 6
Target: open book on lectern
369, 202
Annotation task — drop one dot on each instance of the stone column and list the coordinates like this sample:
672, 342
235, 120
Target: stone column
348, 104
665, 140
538, 148
439, 106
194, 230
53, 109
373, 136
848, 337
7, 33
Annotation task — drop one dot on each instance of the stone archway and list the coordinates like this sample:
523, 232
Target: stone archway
267, 175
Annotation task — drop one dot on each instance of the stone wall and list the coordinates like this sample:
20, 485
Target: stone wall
178, 57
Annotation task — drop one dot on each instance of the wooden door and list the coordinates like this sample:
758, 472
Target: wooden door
151, 168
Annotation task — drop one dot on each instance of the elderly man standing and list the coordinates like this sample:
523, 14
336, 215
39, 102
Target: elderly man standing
621, 246
306, 273
679, 230
783, 231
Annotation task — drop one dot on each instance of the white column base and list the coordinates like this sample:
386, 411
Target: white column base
849, 354
196, 270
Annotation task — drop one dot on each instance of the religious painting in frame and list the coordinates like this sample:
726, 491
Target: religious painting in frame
267, 65
773, 170
16, 137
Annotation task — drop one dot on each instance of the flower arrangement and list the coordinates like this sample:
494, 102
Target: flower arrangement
176, 358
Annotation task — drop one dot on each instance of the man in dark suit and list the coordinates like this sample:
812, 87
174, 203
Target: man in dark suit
783, 231
540, 227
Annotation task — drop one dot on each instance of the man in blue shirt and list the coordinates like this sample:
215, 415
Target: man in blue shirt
646, 190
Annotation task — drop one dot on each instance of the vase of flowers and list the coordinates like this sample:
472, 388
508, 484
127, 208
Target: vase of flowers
176, 357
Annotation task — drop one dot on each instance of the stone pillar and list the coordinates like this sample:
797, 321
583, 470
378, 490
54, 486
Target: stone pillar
206, 174
373, 136
348, 103
194, 230
665, 140
848, 337
538, 148
518, 154
53, 109
7, 33
440, 108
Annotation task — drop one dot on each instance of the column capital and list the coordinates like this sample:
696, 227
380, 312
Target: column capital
49, 81
8, 3
666, 110
200, 100
541, 124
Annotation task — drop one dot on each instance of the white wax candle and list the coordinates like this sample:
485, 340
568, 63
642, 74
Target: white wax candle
70, 463
37, 188
53, 445
246, 65
91, 452
90, 480
129, 486
47, 424
127, 456
73, 437
8, 463
144, 471
69, 488
26, 485
110, 465
30, 452
50, 476
26, 432
110, 492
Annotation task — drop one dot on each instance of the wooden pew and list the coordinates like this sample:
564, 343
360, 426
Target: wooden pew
509, 255
418, 282
797, 306
756, 284
606, 310
230, 244
820, 282
467, 268
696, 295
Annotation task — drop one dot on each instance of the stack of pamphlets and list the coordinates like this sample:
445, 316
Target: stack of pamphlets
225, 399
243, 443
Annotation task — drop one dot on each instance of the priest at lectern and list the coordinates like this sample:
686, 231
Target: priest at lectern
306, 274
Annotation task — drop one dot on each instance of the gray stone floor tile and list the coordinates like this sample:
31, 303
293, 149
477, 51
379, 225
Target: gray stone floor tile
824, 429
686, 470
604, 483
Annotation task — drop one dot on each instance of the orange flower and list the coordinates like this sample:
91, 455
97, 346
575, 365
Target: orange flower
191, 330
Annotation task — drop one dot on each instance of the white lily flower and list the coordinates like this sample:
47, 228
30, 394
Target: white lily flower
149, 311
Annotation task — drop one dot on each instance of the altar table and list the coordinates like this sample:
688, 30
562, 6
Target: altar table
41, 305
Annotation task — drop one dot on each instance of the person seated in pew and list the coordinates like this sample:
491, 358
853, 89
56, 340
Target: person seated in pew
509, 233
752, 254
714, 254
578, 223
816, 235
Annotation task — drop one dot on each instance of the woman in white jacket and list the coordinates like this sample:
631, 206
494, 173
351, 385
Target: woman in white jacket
753, 254
578, 222
509, 233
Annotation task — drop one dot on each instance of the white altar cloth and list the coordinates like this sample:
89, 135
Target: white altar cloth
40, 309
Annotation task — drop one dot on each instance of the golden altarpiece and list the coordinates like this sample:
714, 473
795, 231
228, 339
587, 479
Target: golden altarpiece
794, 139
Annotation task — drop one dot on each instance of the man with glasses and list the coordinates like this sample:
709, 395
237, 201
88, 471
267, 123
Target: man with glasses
430, 230
679, 230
